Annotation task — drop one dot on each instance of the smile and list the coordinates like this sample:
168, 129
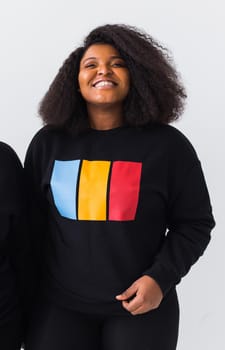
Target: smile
104, 83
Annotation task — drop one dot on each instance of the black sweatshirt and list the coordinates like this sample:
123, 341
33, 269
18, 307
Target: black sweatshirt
12, 234
111, 206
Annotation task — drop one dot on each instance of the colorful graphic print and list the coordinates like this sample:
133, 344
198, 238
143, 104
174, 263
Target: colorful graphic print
96, 190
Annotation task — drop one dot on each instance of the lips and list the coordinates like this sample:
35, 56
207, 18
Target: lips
104, 83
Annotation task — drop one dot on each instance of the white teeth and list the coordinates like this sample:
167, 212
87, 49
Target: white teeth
104, 83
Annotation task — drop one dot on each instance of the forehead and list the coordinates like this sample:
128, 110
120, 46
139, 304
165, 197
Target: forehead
99, 50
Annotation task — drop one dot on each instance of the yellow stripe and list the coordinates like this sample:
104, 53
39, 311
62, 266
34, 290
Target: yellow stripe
93, 190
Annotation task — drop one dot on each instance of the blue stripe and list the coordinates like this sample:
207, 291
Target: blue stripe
64, 185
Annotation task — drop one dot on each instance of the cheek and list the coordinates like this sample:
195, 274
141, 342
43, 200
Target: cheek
126, 79
127, 84
82, 84
80, 80
84, 77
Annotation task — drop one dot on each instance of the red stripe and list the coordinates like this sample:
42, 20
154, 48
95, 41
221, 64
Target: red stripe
124, 190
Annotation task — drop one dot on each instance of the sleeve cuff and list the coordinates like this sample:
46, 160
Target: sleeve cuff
162, 276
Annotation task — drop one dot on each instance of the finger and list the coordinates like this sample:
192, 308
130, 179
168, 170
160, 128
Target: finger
127, 294
135, 303
136, 308
141, 310
132, 305
144, 307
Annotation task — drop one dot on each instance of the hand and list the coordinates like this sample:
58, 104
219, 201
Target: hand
142, 296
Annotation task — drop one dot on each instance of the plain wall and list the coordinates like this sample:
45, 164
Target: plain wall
37, 36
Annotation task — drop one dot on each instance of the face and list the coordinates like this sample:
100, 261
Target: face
103, 76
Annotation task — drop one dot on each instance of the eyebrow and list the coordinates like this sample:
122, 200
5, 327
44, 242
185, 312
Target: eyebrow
94, 58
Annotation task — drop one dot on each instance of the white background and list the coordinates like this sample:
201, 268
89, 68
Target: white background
37, 36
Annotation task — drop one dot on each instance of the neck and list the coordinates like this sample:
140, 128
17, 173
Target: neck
104, 118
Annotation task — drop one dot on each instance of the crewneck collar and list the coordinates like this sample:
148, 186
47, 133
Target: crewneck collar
108, 131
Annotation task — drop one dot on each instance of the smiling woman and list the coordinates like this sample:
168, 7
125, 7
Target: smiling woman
118, 202
155, 94
104, 83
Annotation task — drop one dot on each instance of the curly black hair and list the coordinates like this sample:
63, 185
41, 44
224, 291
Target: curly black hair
156, 93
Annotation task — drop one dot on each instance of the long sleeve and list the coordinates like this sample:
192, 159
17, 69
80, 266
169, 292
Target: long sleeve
13, 233
190, 222
36, 223
83, 263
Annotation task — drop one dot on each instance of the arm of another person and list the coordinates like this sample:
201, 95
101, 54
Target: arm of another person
13, 241
36, 222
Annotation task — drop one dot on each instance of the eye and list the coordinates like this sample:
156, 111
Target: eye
90, 65
119, 64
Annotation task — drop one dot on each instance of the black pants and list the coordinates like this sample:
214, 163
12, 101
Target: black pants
57, 328
11, 335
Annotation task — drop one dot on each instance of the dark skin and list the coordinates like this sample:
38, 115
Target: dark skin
104, 83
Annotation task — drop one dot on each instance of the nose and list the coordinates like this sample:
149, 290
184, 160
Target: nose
104, 69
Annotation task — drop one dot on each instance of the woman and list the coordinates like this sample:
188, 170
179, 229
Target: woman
12, 248
121, 208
